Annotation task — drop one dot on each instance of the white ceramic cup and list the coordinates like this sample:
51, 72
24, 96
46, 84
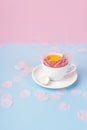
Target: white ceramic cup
58, 73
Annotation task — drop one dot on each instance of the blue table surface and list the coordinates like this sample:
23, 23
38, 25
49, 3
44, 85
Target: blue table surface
30, 112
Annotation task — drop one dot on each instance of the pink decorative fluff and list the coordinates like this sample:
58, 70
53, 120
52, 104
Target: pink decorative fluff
41, 95
25, 93
65, 106
20, 65
1, 91
82, 115
7, 84
85, 94
7, 96
76, 92
27, 70
6, 101
55, 96
17, 78
61, 91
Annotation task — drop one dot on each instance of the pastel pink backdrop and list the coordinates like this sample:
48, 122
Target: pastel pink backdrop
43, 21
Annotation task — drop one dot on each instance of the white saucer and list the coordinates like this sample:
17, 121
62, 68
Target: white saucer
65, 82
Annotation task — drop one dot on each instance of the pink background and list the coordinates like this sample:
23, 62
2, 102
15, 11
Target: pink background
43, 21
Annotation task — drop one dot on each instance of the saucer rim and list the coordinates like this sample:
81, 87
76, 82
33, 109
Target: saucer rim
49, 86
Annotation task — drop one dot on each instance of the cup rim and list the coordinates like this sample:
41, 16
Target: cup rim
54, 67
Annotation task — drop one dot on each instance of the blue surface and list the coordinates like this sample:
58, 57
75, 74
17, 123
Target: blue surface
30, 113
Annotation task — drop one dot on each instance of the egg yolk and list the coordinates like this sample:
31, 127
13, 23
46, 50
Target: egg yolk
54, 57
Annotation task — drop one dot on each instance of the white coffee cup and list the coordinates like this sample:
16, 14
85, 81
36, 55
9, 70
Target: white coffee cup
58, 73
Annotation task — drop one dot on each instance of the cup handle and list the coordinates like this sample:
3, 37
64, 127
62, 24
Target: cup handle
71, 68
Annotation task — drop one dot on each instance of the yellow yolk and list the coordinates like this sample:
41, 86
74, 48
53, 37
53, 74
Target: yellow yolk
54, 57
